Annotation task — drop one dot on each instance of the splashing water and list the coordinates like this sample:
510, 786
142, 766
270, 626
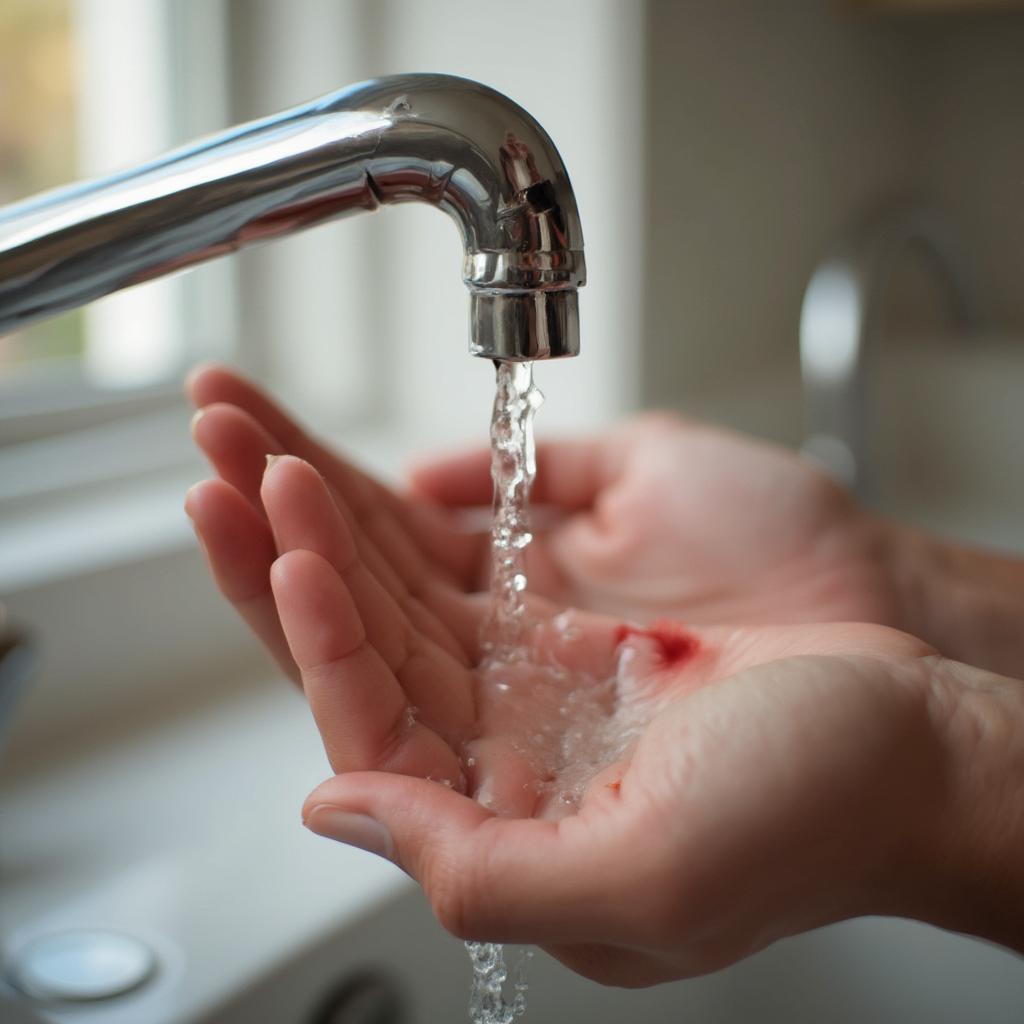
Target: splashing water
513, 466
487, 1002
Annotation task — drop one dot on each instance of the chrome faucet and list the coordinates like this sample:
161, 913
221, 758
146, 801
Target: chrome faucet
446, 141
839, 329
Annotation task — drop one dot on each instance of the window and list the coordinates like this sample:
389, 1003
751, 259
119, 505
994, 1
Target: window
37, 145
360, 325
81, 71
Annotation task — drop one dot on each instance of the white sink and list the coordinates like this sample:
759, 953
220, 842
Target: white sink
196, 848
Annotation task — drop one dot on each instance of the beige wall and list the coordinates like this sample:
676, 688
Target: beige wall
969, 104
771, 126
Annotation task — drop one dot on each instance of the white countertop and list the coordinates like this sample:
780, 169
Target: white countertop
188, 836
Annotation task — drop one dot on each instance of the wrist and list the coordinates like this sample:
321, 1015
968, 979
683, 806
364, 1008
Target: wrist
967, 603
972, 855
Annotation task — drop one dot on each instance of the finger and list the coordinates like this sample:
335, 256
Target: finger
360, 708
304, 516
570, 475
237, 447
428, 528
497, 879
239, 550
210, 384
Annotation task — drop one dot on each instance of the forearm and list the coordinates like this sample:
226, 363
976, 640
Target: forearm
967, 603
974, 851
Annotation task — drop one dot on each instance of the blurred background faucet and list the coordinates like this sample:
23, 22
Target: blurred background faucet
445, 141
840, 328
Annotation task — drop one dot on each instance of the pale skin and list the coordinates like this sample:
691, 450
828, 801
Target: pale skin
787, 775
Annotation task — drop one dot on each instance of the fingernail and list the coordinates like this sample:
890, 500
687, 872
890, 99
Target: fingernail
352, 829
188, 497
196, 417
271, 459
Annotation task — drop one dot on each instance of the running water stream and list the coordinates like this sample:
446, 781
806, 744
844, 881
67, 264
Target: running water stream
513, 466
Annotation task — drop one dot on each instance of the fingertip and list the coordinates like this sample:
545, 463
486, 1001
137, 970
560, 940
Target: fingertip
285, 568
193, 423
199, 496
404, 803
192, 499
192, 505
284, 459
272, 460
216, 425
410, 816
283, 474
195, 376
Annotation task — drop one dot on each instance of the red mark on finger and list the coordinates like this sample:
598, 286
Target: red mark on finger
675, 645
613, 786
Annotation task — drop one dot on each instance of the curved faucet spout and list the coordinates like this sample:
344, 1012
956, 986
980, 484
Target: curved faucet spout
840, 322
446, 141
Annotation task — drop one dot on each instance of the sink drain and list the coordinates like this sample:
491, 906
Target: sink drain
83, 965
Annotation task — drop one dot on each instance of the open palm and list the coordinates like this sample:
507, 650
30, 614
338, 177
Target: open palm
726, 786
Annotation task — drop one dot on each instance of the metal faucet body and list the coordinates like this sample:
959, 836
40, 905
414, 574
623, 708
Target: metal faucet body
840, 328
446, 141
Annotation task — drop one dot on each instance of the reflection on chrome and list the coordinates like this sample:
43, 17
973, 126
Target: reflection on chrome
446, 141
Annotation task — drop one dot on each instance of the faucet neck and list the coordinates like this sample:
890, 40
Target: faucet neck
445, 141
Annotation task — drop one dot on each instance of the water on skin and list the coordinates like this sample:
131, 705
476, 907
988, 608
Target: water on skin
592, 690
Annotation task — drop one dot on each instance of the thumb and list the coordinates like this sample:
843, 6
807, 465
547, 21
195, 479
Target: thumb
570, 475
487, 878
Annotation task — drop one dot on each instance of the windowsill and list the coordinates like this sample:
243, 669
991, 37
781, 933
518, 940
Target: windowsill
129, 521
63, 536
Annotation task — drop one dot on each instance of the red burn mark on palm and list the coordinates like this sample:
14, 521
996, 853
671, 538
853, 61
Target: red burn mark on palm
613, 786
675, 645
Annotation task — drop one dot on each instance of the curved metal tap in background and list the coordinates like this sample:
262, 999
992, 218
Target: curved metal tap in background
446, 141
840, 328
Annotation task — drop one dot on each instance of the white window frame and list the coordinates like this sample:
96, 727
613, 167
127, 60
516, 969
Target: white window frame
125, 76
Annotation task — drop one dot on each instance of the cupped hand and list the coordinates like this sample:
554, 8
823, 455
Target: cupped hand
737, 784
663, 516
658, 518
409, 544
